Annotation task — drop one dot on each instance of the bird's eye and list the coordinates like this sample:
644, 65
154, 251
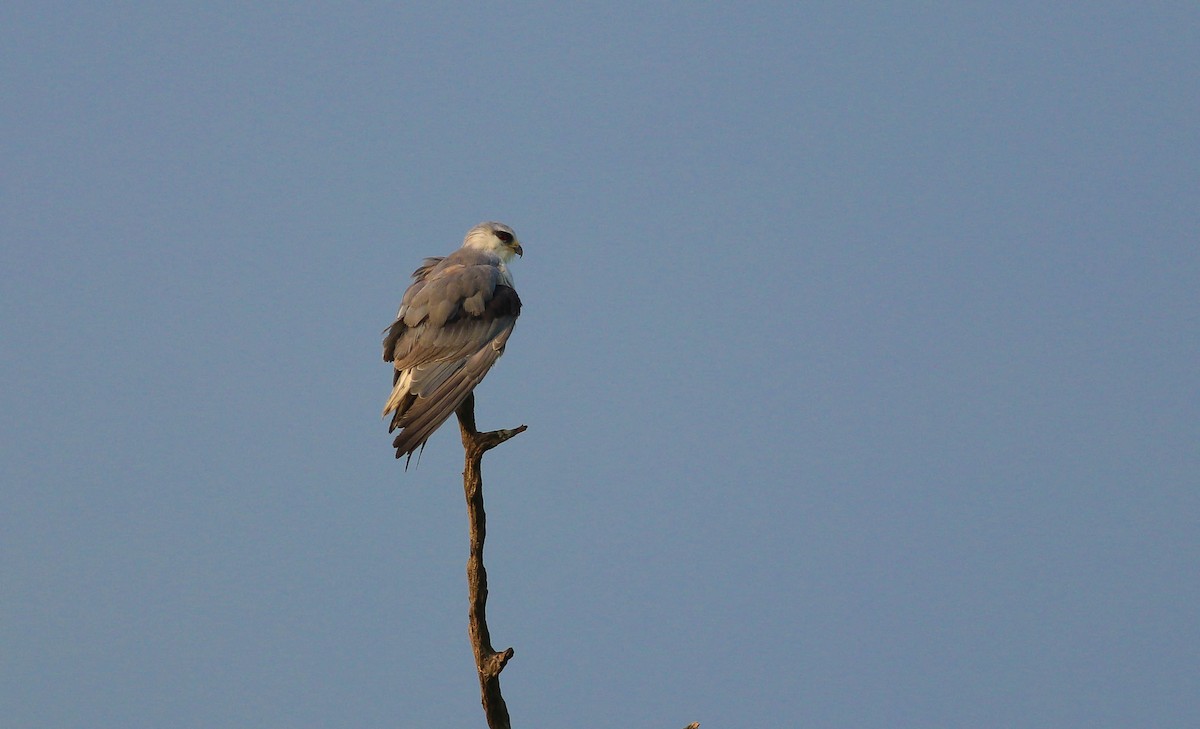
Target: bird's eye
504, 236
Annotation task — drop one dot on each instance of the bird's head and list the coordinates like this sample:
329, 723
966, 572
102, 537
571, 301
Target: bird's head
495, 238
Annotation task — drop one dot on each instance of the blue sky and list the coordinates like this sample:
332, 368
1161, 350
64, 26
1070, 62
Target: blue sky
859, 357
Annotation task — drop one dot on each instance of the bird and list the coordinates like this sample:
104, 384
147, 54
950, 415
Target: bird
453, 324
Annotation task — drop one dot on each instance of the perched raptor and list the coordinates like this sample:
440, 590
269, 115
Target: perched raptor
453, 323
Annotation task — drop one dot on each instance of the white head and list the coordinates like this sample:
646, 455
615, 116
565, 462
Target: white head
495, 238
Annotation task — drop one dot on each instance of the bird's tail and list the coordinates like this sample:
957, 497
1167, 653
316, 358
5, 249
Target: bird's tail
400, 398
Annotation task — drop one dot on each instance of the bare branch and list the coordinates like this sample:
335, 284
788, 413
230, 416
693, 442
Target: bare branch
488, 662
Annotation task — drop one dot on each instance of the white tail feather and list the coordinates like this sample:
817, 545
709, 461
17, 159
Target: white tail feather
399, 391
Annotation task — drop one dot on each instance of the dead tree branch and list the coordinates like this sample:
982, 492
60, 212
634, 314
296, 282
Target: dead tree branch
488, 662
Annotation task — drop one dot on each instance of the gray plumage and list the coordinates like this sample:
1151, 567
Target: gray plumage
452, 326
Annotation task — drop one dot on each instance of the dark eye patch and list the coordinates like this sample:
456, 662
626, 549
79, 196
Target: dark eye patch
504, 235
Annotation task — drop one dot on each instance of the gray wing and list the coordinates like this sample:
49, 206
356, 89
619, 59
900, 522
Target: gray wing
452, 326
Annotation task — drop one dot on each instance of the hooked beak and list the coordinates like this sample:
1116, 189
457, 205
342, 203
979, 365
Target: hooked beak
517, 249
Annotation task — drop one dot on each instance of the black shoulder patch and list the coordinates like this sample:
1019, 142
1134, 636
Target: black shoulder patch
505, 302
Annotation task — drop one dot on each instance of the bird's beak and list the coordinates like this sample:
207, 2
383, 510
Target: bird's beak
517, 249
